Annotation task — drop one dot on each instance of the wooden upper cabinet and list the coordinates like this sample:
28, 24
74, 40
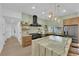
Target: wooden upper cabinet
71, 21
67, 22
75, 20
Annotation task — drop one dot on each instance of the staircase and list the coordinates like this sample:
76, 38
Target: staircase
13, 48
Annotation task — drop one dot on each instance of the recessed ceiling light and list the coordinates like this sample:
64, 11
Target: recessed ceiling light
50, 16
55, 18
33, 7
64, 10
43, 12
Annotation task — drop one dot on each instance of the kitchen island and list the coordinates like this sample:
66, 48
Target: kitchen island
51, 46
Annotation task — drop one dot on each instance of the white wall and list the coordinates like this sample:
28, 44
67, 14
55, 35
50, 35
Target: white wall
11, 26
7, 29
29, 19
11, 13
2, 29
13, 18
2, 32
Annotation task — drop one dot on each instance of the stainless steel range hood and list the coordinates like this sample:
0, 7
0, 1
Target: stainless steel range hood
35, 23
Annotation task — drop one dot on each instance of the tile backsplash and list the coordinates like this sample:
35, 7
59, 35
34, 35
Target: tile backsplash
36, 30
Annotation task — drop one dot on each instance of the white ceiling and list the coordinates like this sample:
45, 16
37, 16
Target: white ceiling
43, 7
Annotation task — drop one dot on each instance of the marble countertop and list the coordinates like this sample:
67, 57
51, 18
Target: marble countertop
55, 43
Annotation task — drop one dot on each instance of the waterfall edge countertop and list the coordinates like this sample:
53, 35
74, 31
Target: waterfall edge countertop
56, 44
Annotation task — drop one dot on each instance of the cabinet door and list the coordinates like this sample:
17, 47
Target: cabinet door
73, 31
75, 34
26, 41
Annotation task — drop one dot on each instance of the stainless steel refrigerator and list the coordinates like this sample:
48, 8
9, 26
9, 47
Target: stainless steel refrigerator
71, 31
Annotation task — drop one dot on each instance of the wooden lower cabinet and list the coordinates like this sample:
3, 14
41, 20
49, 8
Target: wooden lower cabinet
76, 45
26, 41
74, 50
72, 54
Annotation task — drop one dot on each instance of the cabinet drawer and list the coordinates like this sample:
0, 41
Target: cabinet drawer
74, 50
27, 44
75, 45
26, 41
